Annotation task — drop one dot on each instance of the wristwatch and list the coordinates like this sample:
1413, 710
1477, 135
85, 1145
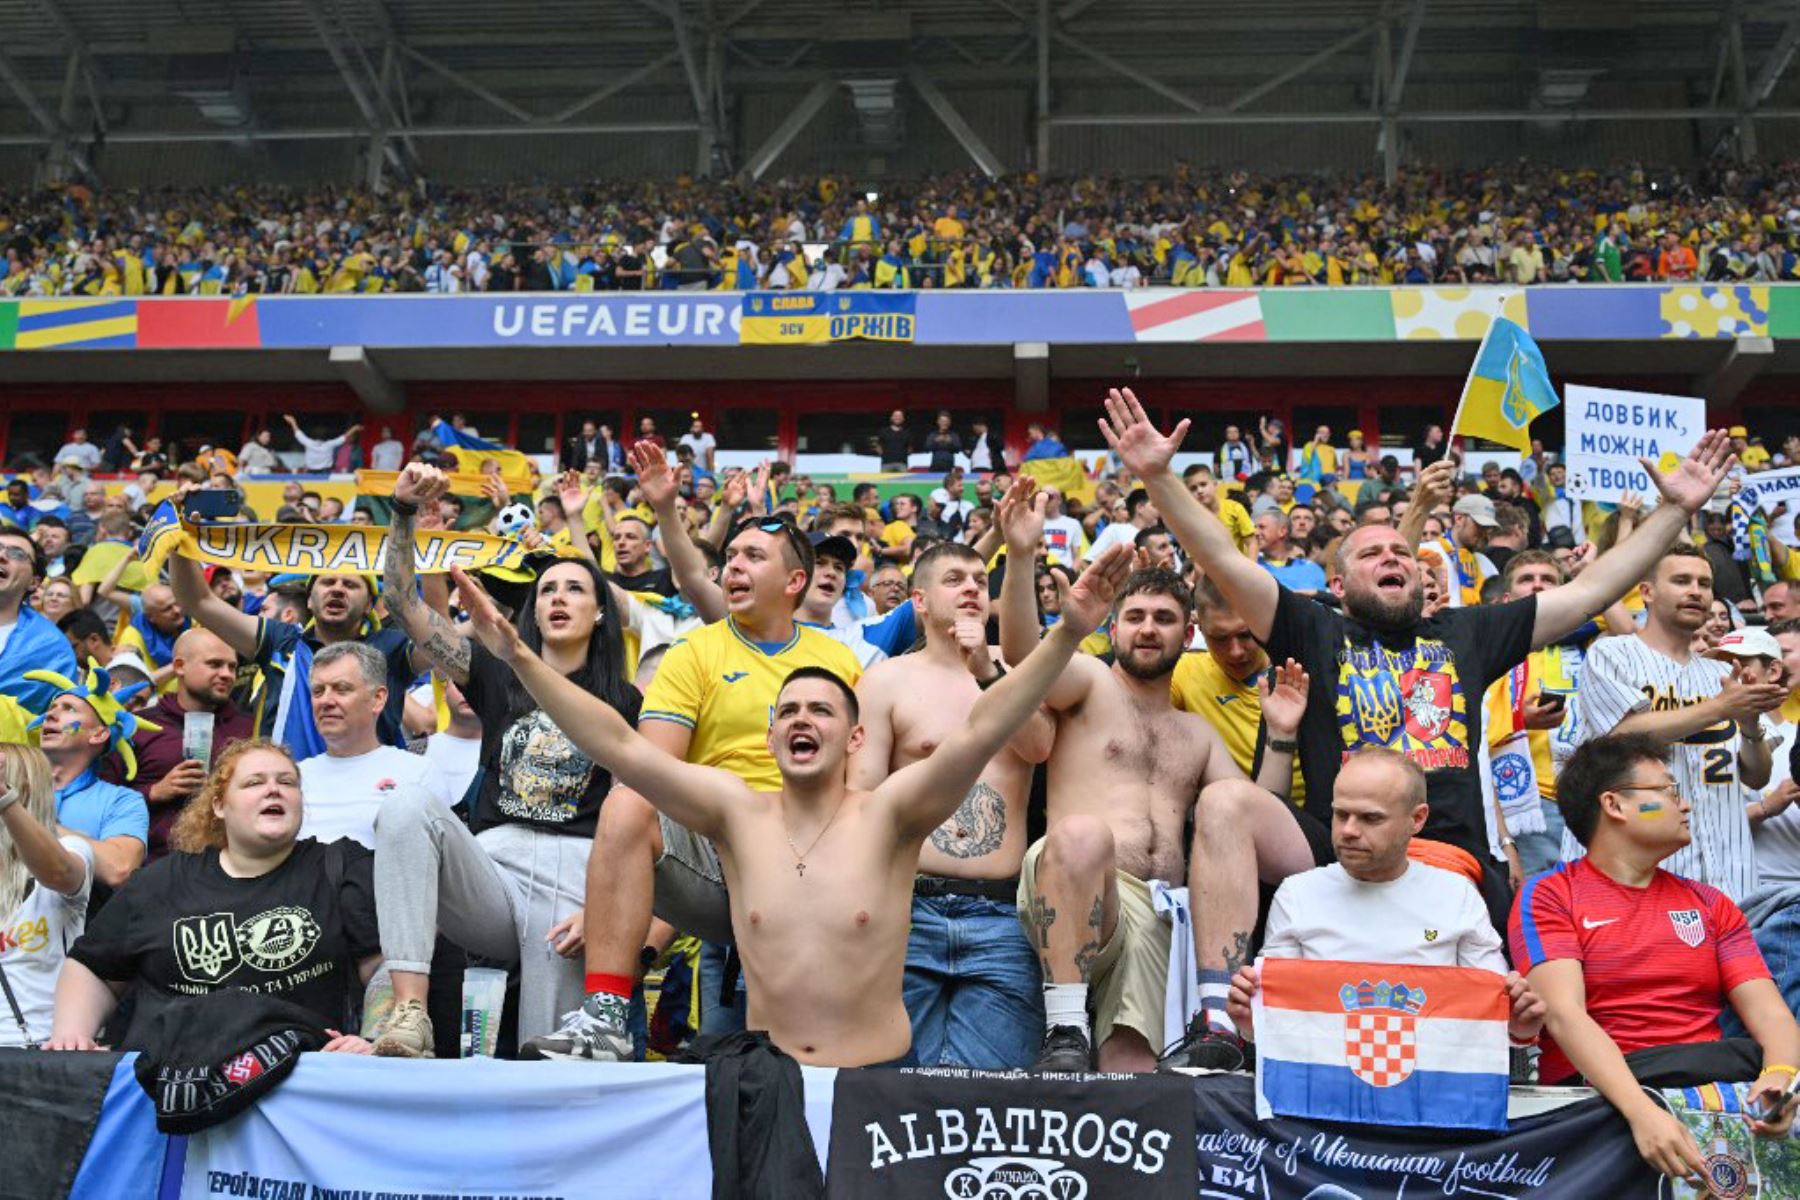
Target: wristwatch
1284, 745
1507, 843
999, 674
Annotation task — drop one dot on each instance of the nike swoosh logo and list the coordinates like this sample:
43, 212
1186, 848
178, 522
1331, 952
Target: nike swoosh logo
1224, 700
1587, 924
735, 676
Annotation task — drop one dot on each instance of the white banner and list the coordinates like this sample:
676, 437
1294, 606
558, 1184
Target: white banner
343, 1125
1769, 490
1608, 431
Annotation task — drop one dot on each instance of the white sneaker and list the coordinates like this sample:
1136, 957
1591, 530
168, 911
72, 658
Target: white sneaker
583, 1037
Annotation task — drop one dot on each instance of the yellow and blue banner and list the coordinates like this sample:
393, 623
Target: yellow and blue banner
818, 318
76, 325
1508, 387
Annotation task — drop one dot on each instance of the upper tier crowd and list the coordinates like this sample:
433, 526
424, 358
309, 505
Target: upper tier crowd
1518, 223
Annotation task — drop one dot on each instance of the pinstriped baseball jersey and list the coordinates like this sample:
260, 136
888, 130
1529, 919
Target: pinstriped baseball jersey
1623, 675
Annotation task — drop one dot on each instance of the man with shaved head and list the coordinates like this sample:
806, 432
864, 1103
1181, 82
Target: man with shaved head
205, 668
1381, 674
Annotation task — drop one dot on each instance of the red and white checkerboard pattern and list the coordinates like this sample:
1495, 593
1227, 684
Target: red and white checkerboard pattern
243, 1068
1382, 1048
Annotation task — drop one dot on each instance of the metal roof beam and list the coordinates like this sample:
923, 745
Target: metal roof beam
798, 118
1776, 64
1300, 68
1116, 66
1410, 43
464, 82
142, 137
56, 134
615, 87
965, 136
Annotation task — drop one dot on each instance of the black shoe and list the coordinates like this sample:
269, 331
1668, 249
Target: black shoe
1208, 1048
1066, 1048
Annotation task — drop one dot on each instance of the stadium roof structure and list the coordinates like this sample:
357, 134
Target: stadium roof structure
731, 84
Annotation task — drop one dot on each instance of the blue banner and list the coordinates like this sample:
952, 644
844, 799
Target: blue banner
583, 319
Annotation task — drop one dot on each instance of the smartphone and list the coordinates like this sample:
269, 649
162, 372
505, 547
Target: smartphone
1552, 699
213, 504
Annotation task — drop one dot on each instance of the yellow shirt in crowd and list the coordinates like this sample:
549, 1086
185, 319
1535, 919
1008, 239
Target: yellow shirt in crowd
1234, 708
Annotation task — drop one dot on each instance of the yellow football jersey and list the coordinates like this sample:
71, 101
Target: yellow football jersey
721, 685
1202, 687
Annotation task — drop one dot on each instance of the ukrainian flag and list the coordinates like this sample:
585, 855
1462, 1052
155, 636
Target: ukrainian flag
1508, 387
76, 324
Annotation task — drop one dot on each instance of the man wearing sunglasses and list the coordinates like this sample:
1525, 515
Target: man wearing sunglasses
709, 704
1636, 964
29, 641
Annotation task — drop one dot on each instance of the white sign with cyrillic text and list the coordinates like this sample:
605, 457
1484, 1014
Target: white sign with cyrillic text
1609, 431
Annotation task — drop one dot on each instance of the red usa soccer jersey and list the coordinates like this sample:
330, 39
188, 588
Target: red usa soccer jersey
1658, 961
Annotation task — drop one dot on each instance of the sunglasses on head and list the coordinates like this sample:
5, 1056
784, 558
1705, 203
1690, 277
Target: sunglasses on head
782, 523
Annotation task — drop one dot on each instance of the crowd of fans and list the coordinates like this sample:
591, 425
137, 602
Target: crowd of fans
804, 743
1519, 223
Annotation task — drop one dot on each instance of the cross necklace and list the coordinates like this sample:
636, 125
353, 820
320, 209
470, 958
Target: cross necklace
800, 855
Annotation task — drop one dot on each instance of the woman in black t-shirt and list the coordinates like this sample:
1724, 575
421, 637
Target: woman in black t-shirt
511, 885
243, 903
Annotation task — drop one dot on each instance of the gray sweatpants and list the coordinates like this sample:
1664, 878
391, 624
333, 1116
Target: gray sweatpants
495, 895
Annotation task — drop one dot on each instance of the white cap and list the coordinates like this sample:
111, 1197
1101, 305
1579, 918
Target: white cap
1752, 641
130, 660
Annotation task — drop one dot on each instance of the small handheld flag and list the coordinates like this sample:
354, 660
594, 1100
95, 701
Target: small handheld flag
1389, 1044
1507, 388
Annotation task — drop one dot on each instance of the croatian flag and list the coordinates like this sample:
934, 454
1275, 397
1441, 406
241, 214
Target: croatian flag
1381, 1043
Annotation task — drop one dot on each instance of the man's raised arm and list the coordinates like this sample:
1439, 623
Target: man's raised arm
432, 634
1020, 518
1685, 489
235, 627
927, 792
696, 796
686, 564
1248, 588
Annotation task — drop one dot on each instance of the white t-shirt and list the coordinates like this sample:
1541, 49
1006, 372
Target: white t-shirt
6, 632
701, 446
33, 942
455, 759
342, 795
388, 455
319, 455
1777, 840
1428, 917
1063, 540
1119, 533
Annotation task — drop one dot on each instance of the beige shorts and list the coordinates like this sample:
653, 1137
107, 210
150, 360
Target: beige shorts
1131, 972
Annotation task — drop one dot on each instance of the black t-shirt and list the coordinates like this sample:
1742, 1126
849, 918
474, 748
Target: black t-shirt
1419, 693
895, 443
183, 927
531, 773
658, 579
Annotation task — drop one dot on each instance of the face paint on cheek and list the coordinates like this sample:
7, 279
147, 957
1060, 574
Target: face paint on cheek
1648, 809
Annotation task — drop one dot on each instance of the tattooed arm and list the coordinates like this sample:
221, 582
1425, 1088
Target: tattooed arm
432, 634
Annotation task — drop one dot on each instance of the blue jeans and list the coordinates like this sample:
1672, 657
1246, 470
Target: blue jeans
973, 988
1778, 937
717, 1017
1538, 852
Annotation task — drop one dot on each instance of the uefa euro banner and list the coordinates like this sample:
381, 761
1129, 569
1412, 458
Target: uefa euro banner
818, 318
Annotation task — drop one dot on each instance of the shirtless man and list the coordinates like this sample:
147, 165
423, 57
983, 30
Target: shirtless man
972, 984
1125, 771
820, 874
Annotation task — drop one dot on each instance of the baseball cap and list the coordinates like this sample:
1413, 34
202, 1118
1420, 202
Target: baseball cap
1752, 641
1737, 431
129, 660
1478, 509
833, 545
